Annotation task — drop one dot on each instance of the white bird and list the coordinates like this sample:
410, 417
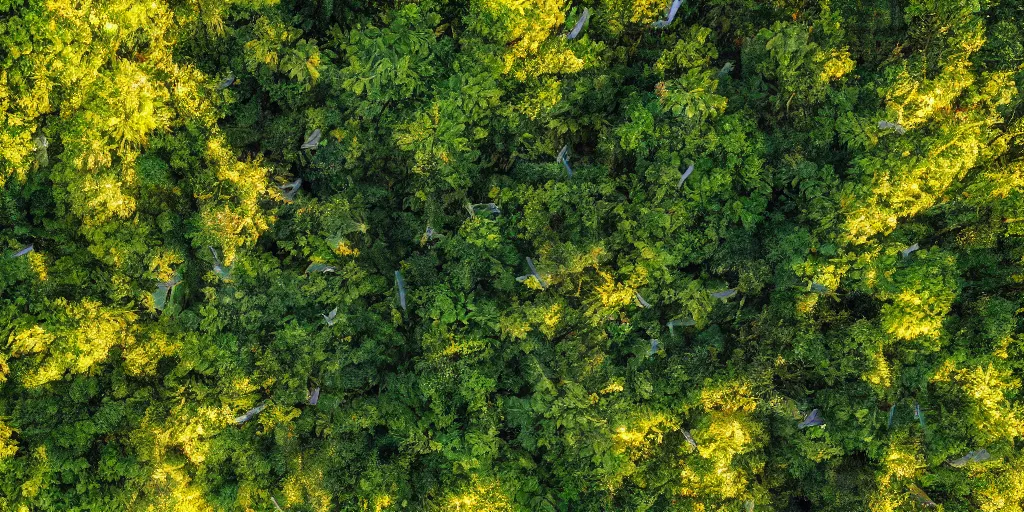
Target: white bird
563, 158
671, 15
162, 292
250, 414
886, 125
909, 250
686, 174
484, 207
219, 269
330, 317
813, 419
679, 322
319, 267
920, 496
975, 456
288, 190
27, 249
655, 347
689, 439
533, 271
314, 396
401, 288
313, 141
579, 24
724, 294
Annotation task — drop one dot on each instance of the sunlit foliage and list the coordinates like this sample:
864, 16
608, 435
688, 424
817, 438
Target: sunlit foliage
437, 255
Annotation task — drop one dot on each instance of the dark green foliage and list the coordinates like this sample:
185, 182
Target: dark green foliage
174, 285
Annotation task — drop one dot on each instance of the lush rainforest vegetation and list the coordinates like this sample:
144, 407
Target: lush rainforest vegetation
511, 255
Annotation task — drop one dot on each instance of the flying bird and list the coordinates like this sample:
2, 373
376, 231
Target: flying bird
685, 175
909, 250
25, 250
319, 267
813, 419
401, 288
533, 271
313, 141
655, 347
689, 439
288, 190
484, 207
579, 24
163, 290
330, 317
218, 268
920, 496
563, 158
918, 415
886, 125
250, 414
974, 456
671, 15
679, 322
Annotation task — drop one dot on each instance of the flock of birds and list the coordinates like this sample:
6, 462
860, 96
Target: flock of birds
289, 191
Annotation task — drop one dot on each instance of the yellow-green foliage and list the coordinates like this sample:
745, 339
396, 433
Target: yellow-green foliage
778, 266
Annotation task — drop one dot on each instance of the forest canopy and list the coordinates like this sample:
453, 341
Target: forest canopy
511, 255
